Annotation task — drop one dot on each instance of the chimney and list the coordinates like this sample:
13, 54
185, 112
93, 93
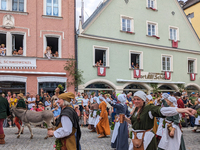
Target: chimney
80, 25
182, 3
82, 12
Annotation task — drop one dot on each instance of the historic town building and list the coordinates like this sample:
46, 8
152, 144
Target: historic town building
192, 10
129, 45
27, 29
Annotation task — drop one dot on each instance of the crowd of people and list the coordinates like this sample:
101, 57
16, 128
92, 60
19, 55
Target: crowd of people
153, 121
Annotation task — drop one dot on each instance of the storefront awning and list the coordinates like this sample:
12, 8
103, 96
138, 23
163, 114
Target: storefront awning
148, 81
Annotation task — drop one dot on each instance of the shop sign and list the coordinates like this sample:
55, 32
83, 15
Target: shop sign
17, 62
152, 76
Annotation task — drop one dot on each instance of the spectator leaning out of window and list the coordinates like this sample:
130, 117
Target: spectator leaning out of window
56, 54
3, 50
132, 65
47, 52
20, 51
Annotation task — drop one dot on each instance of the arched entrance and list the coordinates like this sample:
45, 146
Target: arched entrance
166, 88
191, 88
95, 87
133, 88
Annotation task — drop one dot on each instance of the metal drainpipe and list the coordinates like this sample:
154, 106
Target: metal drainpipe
75, 36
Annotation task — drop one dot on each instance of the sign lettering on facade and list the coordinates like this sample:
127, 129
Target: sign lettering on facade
152, 76
17, 62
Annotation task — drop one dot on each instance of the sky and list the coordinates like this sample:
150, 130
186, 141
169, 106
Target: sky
90, 6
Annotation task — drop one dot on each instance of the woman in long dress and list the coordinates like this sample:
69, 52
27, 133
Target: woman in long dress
120, 134
142, 120
103, 127
172, 137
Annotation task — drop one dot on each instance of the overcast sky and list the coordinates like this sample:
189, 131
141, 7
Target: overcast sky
90, 6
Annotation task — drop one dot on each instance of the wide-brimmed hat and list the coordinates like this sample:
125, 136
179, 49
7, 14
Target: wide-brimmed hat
40, 103
21, 95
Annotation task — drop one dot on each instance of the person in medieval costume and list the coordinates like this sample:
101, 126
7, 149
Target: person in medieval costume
172, 137
67, 124
120, 134
142, 121
4, 112
197, 119
103, 127
149, 101
160, 128
93, 114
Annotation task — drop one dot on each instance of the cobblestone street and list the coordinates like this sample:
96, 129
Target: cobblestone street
89, 141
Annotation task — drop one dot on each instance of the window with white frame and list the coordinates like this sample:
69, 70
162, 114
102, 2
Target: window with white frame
174, 33
135, 59
17, 44
18, 5
166, 63
101, 56
151, 29
192, 65
52, 46
3, 4
152, 4
52, 7
127, 24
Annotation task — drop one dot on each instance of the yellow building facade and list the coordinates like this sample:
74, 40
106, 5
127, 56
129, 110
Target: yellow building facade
192, 10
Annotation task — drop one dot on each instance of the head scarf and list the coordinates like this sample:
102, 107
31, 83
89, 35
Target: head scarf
173, 100
165, 95
149, 97
102, 98
141, 95
122, 98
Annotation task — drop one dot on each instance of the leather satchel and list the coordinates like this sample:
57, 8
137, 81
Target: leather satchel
138, 143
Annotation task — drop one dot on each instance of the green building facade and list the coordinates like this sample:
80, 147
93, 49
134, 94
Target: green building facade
153, 34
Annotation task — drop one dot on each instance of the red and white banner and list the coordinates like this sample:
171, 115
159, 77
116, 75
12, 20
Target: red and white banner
192, 76
137, 73
174, 44
101, 71
167, 75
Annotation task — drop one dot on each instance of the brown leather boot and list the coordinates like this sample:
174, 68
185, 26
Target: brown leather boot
2, 136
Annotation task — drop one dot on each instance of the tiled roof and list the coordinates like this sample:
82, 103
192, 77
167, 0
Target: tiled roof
189, 3
95, 13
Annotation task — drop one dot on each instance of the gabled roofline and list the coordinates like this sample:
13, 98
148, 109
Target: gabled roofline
104, 5
191, 5
95, 14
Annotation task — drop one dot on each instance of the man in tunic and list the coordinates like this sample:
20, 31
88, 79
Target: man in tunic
67, 124
103, 127
4, 112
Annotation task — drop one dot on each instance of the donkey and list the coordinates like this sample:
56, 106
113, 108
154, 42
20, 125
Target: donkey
36, 118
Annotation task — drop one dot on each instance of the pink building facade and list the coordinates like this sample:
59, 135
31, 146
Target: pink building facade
32, 26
